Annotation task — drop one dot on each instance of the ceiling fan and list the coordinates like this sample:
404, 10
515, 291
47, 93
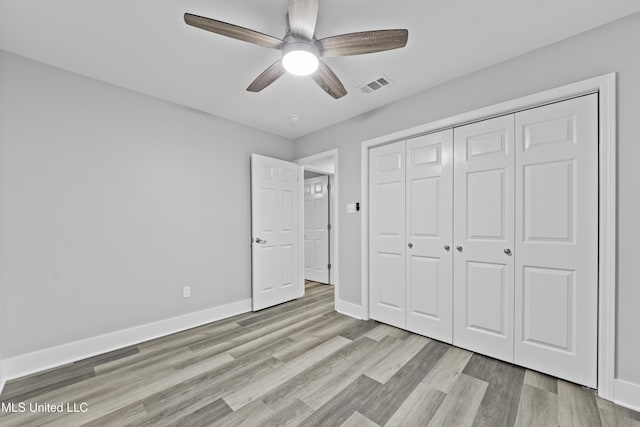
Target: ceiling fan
301, 51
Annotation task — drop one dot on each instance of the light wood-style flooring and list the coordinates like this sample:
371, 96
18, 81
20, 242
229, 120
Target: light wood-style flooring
301, 363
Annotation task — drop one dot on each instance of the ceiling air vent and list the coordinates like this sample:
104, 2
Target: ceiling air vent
377, 84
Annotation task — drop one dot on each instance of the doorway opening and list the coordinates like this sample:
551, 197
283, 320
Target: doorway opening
321, 218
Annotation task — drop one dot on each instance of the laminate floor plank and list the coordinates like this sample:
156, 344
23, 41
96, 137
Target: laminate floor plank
387, 399
210, 387
251, 415
207, 415
317, 397
183, 339
285, 332
387, 367
359, 420
499, 405
240, 397
541, 381
613, 419
383, 330
37, 384
302, 363
537, 408
267, 318
107, 357
286, 309
114, 400
320, 374
616, 409
308, 338
239, 341
342, 406
290, 415
132, 415
459, 407
419, 407
248, 333
360, 329
577, 406
137, 363
448, 369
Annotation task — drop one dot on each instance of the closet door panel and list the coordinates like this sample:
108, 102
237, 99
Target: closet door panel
429, 185
484, 236
387, 234
556, 239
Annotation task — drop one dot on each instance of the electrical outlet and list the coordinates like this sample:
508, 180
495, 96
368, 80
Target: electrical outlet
186, 292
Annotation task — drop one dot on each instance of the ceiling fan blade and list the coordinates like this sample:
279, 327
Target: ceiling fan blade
364, 42
303, 15
268, 76
328, 81
233, 31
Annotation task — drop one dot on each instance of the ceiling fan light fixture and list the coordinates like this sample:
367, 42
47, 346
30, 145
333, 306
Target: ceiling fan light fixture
300, 59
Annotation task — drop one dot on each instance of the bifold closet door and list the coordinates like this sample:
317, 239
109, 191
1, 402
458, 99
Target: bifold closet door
557, 241
429, 210
483, 237
387, 234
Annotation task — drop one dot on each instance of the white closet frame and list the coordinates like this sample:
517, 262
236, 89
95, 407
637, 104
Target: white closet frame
608, 386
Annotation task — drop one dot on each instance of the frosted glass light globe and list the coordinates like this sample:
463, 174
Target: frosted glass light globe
300, 62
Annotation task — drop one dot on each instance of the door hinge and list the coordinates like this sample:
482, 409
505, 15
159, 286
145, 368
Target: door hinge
328, 226
328, 266
328, 187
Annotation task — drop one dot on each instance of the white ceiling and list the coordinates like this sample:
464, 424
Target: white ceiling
144, 45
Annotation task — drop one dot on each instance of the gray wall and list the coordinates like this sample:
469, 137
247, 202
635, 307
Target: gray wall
613, 47
110, 203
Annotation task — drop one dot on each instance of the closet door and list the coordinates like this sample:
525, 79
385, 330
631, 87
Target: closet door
557, 241
483, 237
429, 185
387, 233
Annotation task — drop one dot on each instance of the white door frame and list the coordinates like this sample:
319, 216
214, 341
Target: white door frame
608, 386
323, 276
308, 163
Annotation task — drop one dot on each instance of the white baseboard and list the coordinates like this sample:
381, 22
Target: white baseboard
351, 309
41, 360
626, 394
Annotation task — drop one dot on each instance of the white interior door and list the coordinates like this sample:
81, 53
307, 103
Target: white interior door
556, 239
316, 231
483, 236
276, 189
387, 234
429, 211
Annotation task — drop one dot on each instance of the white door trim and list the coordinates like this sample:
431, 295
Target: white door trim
308, 164
605, 85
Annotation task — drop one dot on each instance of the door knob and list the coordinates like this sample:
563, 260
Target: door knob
507, 251
447, 247
262, 242
459, 248
410, 245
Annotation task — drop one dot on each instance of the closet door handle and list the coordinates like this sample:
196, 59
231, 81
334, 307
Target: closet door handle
507, 251
459, 248
447, 248
410, 245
